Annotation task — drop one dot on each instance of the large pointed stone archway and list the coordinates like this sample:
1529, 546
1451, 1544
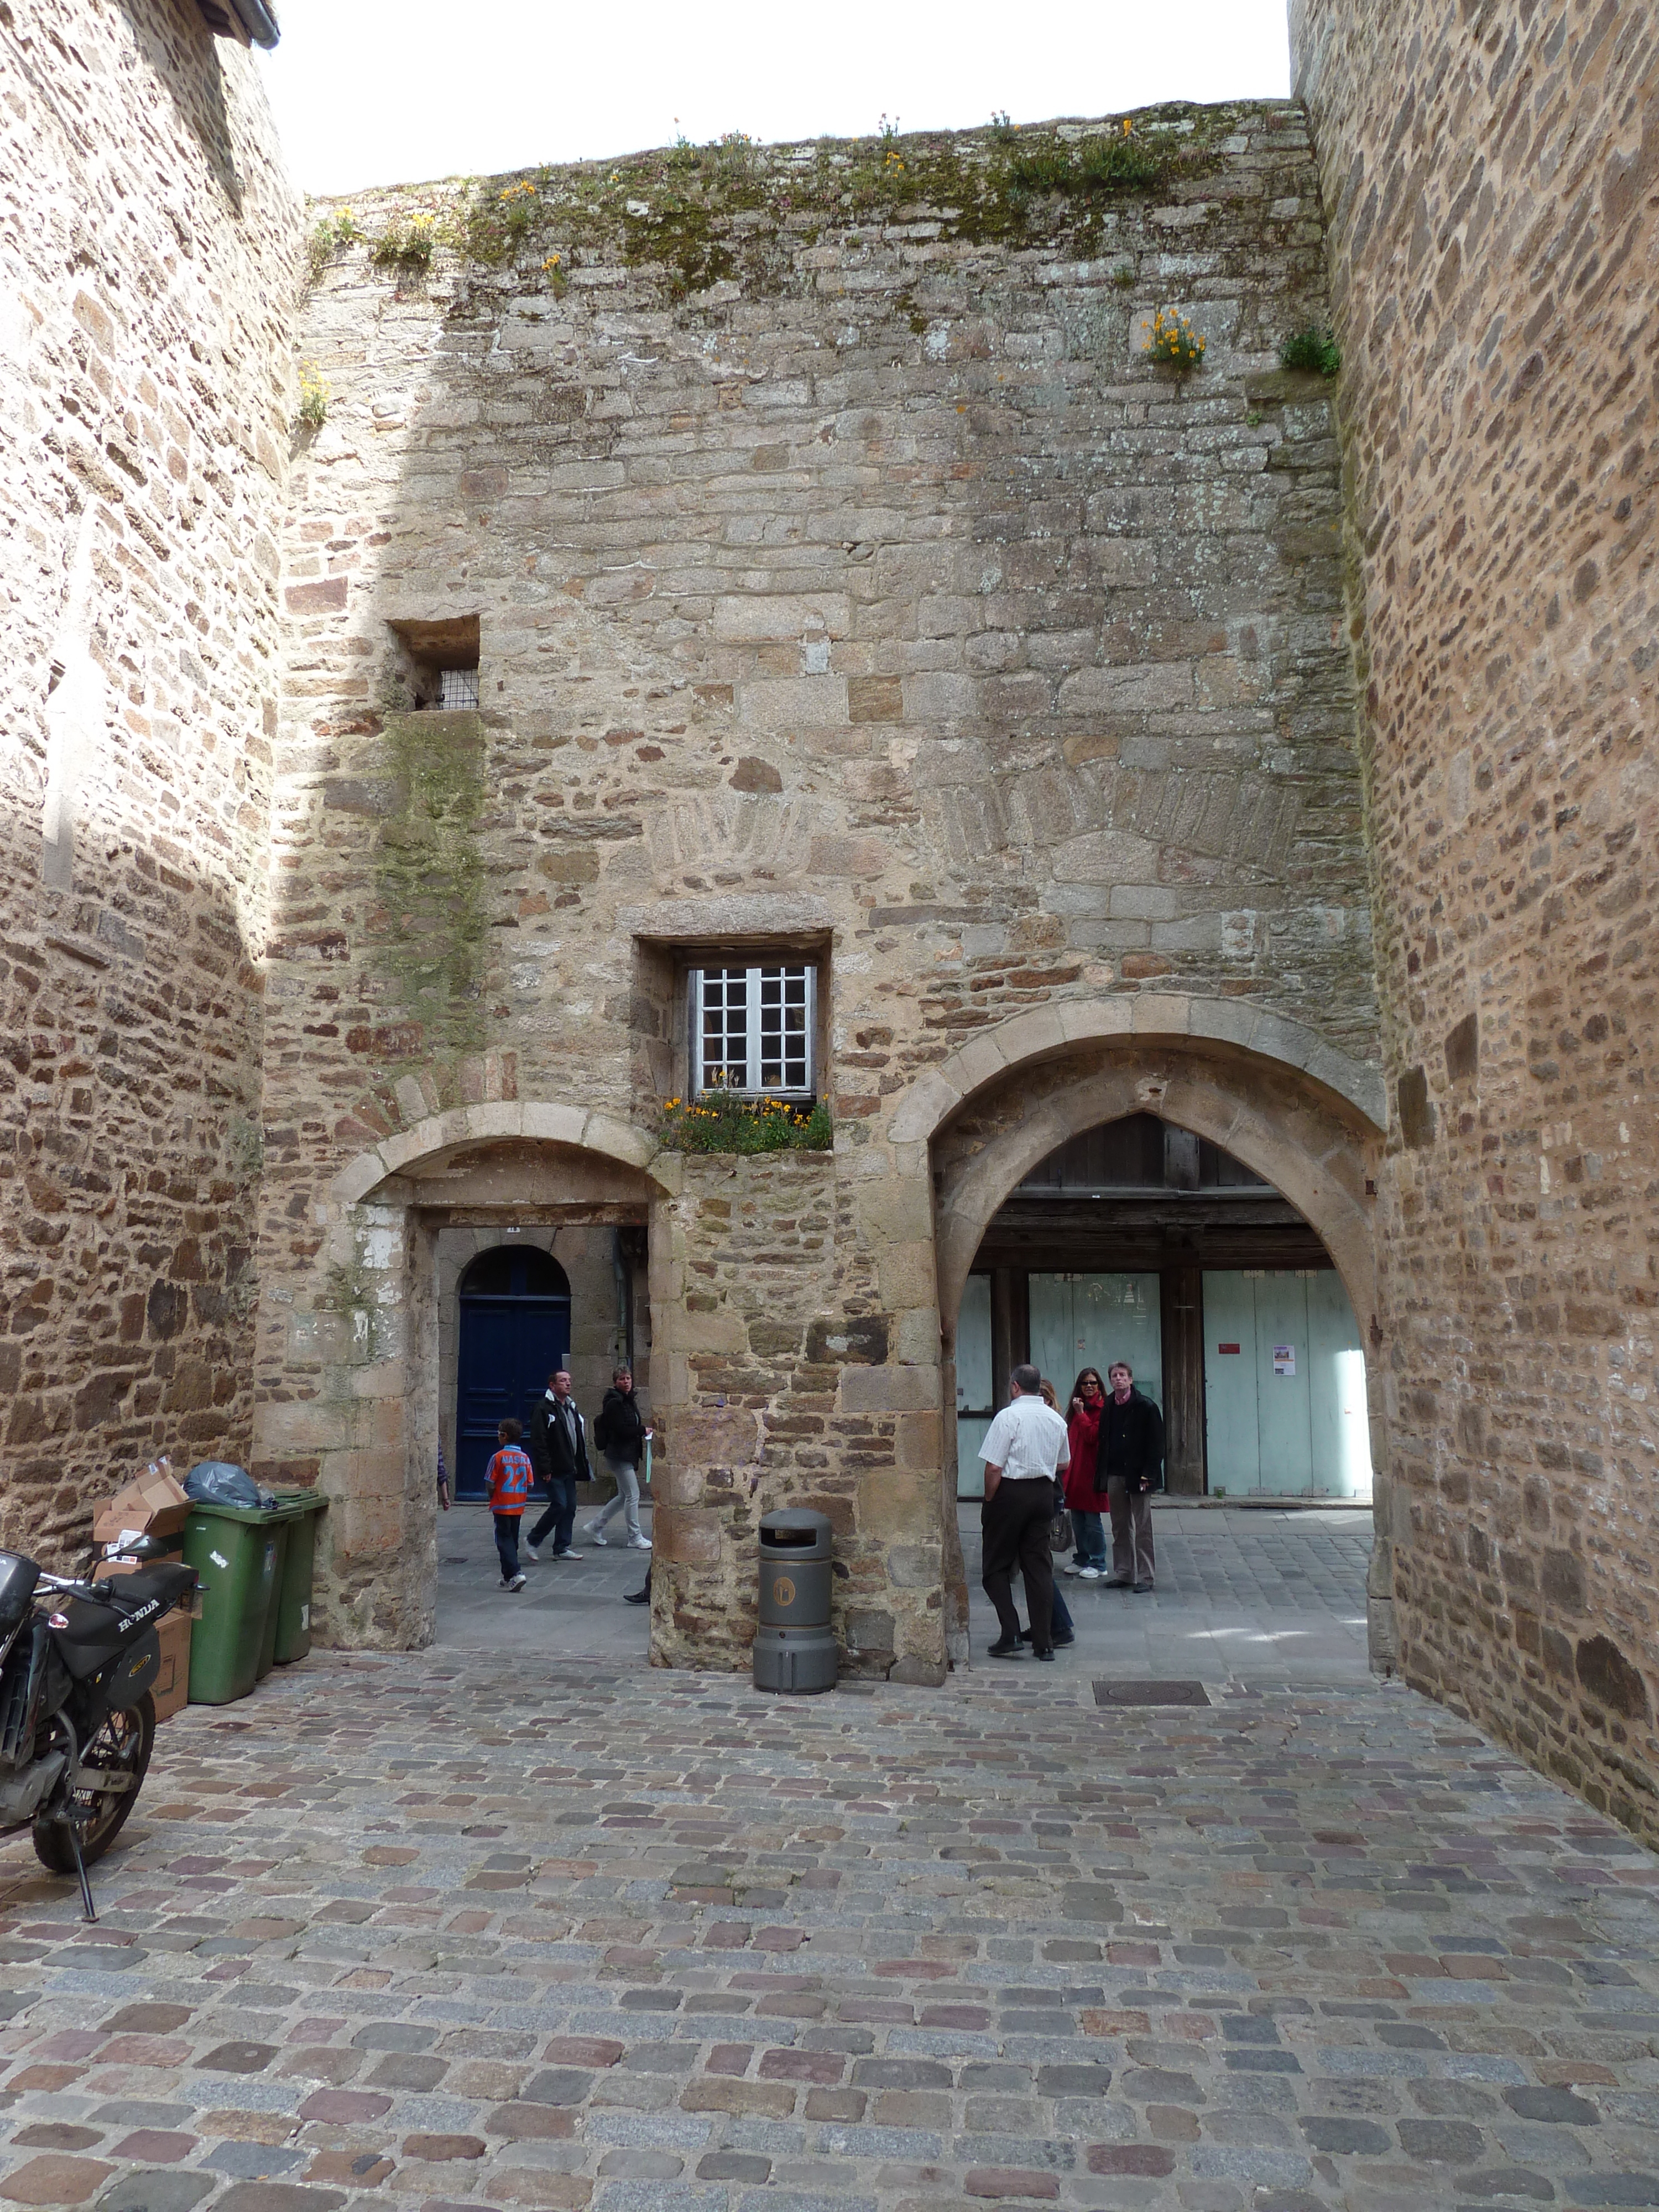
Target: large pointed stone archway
1270, 1091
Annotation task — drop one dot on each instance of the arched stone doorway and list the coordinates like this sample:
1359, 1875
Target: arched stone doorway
1139, 1241
355, 1347
512, 1330
1269, 1092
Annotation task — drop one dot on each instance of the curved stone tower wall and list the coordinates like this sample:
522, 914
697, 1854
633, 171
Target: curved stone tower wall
1491, 182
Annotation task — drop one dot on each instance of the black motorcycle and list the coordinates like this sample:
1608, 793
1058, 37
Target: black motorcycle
77, 1721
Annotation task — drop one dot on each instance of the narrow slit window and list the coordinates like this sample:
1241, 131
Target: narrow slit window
751, 1031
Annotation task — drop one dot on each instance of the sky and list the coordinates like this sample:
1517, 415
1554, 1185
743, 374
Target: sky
383, 92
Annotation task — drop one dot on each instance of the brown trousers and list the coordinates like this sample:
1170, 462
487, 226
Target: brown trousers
1131, 1531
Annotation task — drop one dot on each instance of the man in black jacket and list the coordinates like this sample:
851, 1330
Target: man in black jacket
1131, 1460
558, 1452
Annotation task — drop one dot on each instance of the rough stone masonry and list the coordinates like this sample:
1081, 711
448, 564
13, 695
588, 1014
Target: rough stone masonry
847, 585
1491, 176
844, 583
148, 266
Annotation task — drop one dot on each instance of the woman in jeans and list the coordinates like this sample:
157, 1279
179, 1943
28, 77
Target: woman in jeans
620, 1433
1083, 1434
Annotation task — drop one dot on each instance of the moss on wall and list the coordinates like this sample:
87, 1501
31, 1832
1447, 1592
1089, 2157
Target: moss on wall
734, 212
428, 933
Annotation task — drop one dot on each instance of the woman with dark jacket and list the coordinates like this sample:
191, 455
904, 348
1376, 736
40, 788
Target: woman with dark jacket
620, 1433
1083, 1495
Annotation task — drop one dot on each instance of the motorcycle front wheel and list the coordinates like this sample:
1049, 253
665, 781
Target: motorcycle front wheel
122, 1746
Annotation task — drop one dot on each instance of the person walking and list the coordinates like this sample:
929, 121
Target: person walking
1131, 1453
558, 1452
1064, 1629
1022, 1447
509, 1477
1085, 1494
620, 1435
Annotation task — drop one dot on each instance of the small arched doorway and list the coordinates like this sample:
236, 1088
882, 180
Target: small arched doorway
514, 1304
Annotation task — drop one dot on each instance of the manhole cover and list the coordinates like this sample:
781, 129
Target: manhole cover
1150, 1693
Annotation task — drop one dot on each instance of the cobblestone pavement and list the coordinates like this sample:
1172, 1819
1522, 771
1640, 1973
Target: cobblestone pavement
567, 1609
1244, 1594
429, 1932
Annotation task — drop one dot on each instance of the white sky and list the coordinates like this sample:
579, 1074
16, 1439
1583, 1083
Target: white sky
382, 92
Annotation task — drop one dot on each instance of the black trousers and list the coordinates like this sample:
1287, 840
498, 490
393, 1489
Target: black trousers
1015, 1529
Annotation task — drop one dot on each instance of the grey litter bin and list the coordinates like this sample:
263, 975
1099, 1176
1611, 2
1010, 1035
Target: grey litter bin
794, 1645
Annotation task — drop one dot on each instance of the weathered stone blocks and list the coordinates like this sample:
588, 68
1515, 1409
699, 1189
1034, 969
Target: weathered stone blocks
1494, 230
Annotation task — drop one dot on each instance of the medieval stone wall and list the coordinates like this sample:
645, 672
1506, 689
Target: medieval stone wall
846, 579
148, 267
1491, 178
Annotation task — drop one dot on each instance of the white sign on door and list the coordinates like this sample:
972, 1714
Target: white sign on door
1284, 1359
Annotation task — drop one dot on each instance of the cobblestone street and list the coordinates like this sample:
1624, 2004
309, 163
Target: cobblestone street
427, 1932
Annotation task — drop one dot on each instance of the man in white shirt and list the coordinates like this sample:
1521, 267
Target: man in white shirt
1023, 1448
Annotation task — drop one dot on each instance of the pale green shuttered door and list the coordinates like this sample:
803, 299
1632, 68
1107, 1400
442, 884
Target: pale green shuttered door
1089, 1321
973, 1383
1290, 1434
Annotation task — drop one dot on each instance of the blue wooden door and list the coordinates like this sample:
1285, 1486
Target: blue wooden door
514, 1331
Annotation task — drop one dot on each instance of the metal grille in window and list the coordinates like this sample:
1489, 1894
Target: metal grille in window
723, 1029
461, 687
751, 1031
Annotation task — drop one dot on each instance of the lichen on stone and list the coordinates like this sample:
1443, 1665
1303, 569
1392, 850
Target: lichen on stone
428, 934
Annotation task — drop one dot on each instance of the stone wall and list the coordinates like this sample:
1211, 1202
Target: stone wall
1492, 178
147, 271
847, 581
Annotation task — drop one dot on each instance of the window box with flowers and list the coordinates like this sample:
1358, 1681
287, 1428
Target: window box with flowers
752, 1074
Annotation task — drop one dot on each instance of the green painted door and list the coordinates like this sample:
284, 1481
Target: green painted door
1281, 1385
1337, 1412
1232, 1449
974, 1407
1089, 1321
1284, 1386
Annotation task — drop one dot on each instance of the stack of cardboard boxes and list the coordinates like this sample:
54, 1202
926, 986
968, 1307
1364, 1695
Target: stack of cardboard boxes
153, 1505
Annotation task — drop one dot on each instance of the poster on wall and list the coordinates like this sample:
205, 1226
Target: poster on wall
1284, 1359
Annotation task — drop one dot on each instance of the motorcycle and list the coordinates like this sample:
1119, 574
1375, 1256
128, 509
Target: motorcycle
77, 1723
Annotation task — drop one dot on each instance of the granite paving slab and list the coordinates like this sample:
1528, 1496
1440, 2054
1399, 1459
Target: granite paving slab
462, 1930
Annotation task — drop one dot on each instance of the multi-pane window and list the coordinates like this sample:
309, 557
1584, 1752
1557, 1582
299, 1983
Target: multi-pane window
461, 687
751, 1031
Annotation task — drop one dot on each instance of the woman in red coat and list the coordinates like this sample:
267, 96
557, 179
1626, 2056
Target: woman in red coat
1083, 1432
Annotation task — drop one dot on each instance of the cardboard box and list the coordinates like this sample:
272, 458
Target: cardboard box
171, 1690
155, 1505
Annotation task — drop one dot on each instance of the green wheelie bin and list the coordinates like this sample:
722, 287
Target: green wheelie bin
293, 1607
238, 1553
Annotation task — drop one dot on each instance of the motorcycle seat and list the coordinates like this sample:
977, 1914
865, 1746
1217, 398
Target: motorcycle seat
164, 1582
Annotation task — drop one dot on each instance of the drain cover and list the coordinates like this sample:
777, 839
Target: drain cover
1151, 1693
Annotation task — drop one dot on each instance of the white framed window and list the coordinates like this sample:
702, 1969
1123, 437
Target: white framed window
751, 1031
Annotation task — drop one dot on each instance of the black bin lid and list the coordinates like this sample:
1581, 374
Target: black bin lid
795, 1529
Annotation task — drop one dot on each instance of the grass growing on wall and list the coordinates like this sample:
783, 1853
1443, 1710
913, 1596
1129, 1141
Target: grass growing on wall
431, 934
704, 214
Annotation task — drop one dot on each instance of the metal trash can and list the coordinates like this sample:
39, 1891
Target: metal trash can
794, 1645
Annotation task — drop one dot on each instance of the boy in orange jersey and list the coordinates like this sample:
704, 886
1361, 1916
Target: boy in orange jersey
509, 1475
